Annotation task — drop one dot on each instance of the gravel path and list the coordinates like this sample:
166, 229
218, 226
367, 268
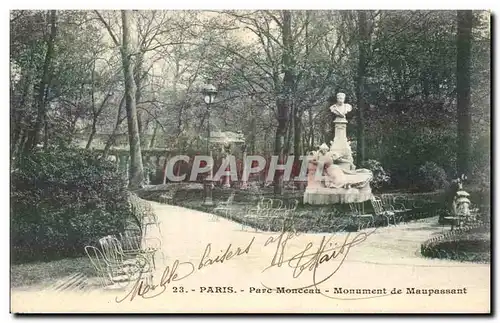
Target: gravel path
380, 258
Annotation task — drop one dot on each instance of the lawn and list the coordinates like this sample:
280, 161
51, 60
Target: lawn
45, 273
307, 218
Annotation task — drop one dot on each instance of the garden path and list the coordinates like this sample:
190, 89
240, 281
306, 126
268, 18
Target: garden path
387, 258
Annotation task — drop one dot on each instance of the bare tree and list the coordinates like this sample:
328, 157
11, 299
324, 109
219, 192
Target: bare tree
363, 44
41, 106
464, 40
136, 170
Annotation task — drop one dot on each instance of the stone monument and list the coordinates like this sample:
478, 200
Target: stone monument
332, 175
340, 145
461, 205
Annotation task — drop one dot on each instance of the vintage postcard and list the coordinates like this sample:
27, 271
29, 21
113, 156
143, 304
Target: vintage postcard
250, 161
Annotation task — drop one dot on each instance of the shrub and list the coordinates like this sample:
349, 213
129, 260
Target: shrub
481, 163
431, 177
62, 200
380, 176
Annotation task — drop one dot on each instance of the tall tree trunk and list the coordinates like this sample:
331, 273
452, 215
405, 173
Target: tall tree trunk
311, 127
297, 133
284, 102
94, 113
34, 136
93, 131
20, 120
464, 40
138, 77
119, 120
136, 172
153, 137
289, 134
252, 133
360, 88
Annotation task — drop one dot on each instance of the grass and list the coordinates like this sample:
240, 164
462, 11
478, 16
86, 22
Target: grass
308, 218
35, 273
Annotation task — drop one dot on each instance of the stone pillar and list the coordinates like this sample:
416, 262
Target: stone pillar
340, 144
244, 184
208, 184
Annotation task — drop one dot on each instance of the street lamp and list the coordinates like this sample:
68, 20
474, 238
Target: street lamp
209, 93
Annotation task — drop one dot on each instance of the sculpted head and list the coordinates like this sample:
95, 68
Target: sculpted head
341, 97
324, 148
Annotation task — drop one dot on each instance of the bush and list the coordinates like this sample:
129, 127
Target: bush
402, 154
62, 200
481, 163
431, 177
380, 176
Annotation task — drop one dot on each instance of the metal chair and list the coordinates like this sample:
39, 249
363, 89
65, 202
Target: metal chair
276, 211
145, 215
378, 208
289, 214
225, 206
133, 244
262, 208
168, 196
150, 219
131, 263
109, 274
358, 213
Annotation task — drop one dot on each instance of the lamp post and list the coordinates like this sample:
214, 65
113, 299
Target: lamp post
244, 184
209, 93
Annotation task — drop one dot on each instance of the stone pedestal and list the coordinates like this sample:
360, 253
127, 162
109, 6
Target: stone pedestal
323, 195
340, 144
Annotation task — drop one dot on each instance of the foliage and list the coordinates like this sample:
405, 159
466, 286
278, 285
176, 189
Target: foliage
431, 177
380, 176
403, 149
481, 162
410, 80
62, 200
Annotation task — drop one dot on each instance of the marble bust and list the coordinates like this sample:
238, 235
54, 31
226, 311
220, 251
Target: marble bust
340, 109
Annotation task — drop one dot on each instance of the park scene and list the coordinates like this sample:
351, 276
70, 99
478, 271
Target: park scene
140, 138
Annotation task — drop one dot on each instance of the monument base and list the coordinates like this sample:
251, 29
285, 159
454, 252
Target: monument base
323, 195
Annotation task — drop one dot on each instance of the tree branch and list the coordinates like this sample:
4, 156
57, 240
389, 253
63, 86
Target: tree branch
108, 27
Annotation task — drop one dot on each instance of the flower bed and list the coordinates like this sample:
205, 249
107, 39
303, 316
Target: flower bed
466, 244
